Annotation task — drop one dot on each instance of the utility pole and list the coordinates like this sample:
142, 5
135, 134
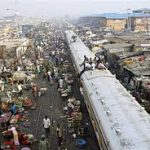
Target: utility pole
129, 19
147, 26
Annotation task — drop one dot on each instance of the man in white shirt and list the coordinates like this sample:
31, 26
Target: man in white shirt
46, 124
61, 82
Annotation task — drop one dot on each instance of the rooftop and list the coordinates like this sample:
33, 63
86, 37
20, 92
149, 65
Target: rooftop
139, 68
117, 46
120, 15
11, 43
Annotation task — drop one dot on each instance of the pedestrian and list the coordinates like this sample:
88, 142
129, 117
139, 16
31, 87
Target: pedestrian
55, 72
43, 143
61, 83
56, 61
49, 75
44, 75
59, 136
35, 91
19, 89
46, 124
50, 56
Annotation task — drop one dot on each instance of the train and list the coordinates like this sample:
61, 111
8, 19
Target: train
119, 121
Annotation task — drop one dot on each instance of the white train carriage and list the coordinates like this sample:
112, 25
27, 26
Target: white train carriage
120, 123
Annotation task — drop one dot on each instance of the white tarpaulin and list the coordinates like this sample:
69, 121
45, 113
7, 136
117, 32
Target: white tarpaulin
19, 75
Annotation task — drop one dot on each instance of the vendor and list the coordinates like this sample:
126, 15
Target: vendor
72, 99
26, 139
15, 135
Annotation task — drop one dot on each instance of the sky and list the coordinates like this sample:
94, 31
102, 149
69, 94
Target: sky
52, 8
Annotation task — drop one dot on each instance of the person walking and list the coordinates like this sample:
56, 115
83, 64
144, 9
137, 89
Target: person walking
59, 136
35, 91
46, 124
49, 76
43, 143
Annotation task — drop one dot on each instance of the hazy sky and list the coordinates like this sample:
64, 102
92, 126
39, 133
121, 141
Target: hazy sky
70, 7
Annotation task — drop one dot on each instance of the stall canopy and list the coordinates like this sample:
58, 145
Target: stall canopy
19, 75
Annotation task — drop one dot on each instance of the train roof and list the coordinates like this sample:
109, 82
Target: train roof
124, 122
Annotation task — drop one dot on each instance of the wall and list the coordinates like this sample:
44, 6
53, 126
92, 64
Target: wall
117, 24
140, 24
93, 21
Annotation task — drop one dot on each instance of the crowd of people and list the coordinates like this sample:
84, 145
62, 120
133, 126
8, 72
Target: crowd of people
53, 70
92, 64
13, 137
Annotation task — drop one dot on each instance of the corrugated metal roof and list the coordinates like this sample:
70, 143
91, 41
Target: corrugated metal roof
121, 15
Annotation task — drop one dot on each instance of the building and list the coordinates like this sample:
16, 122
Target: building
118, 24
144, 11
14, 48
140, 22
137, 21
92, 21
